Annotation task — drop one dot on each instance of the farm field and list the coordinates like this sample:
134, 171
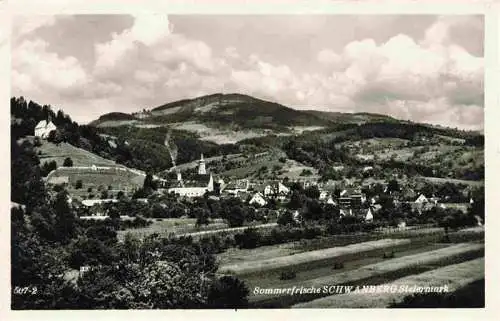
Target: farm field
95, 181
451, 180
425, 236
311, 257
365, 271
172, 225
455, 276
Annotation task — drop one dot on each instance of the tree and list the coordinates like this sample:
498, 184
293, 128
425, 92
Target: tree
393, 186
104, 195
249, 239
65, 223
312, 192
286, 218
68, 162
201, 216
89, 251
78, 184
149, 184
228, 292
48, 167
236, 216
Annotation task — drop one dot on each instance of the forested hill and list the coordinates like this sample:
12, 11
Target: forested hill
141, 148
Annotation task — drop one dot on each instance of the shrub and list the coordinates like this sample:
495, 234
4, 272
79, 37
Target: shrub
68, 162
388, 255
249, 239
288, 275
228, 292
78, 184
338, 265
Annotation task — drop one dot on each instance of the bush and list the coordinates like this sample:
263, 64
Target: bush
338, 265
286, 218
228, 292
288, 275
78, 184
388, 255
68, 162
249, 239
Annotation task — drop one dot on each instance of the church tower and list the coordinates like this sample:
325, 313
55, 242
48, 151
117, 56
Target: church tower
201, 168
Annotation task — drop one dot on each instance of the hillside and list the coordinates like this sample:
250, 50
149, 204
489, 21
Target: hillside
351, 118
221, 118
48, 152
303, 143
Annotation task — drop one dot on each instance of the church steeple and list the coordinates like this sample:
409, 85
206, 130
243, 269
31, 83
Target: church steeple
201, 168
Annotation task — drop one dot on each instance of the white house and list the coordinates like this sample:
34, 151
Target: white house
296, 216
258, 198
323, 195
92, 202
367, 169
43, 128
344, 212
331, 201
369, 215
421, 199
276, 189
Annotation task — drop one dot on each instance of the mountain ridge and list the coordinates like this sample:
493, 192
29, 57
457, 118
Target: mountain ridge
240, 109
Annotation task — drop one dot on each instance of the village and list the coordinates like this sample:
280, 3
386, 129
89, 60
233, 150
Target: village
360, 198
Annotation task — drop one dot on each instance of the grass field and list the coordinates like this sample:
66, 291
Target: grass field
311, 257
451, 180
455, 276
52, 152
418, 236
98, 180
366, 271
172, 225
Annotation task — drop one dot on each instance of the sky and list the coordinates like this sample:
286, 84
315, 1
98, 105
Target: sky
424, 68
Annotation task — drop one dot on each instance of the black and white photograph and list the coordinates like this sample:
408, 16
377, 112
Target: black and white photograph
224, 161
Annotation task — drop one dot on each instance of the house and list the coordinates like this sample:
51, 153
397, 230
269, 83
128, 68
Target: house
276, 190
369, 215
323, 195
43, 128
331, 201
17, 205
367, 169
195, 185
92, 202
309, 183
258, 198
345, 212
351, 198
421, 199
236, 187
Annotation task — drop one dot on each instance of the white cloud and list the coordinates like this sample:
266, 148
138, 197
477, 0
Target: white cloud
36, 68
24, 25
430, 79
147, 30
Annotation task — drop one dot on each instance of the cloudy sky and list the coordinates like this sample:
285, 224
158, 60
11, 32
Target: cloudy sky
424, 68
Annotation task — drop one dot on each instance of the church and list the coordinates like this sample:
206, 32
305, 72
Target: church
196, 185
44, 127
